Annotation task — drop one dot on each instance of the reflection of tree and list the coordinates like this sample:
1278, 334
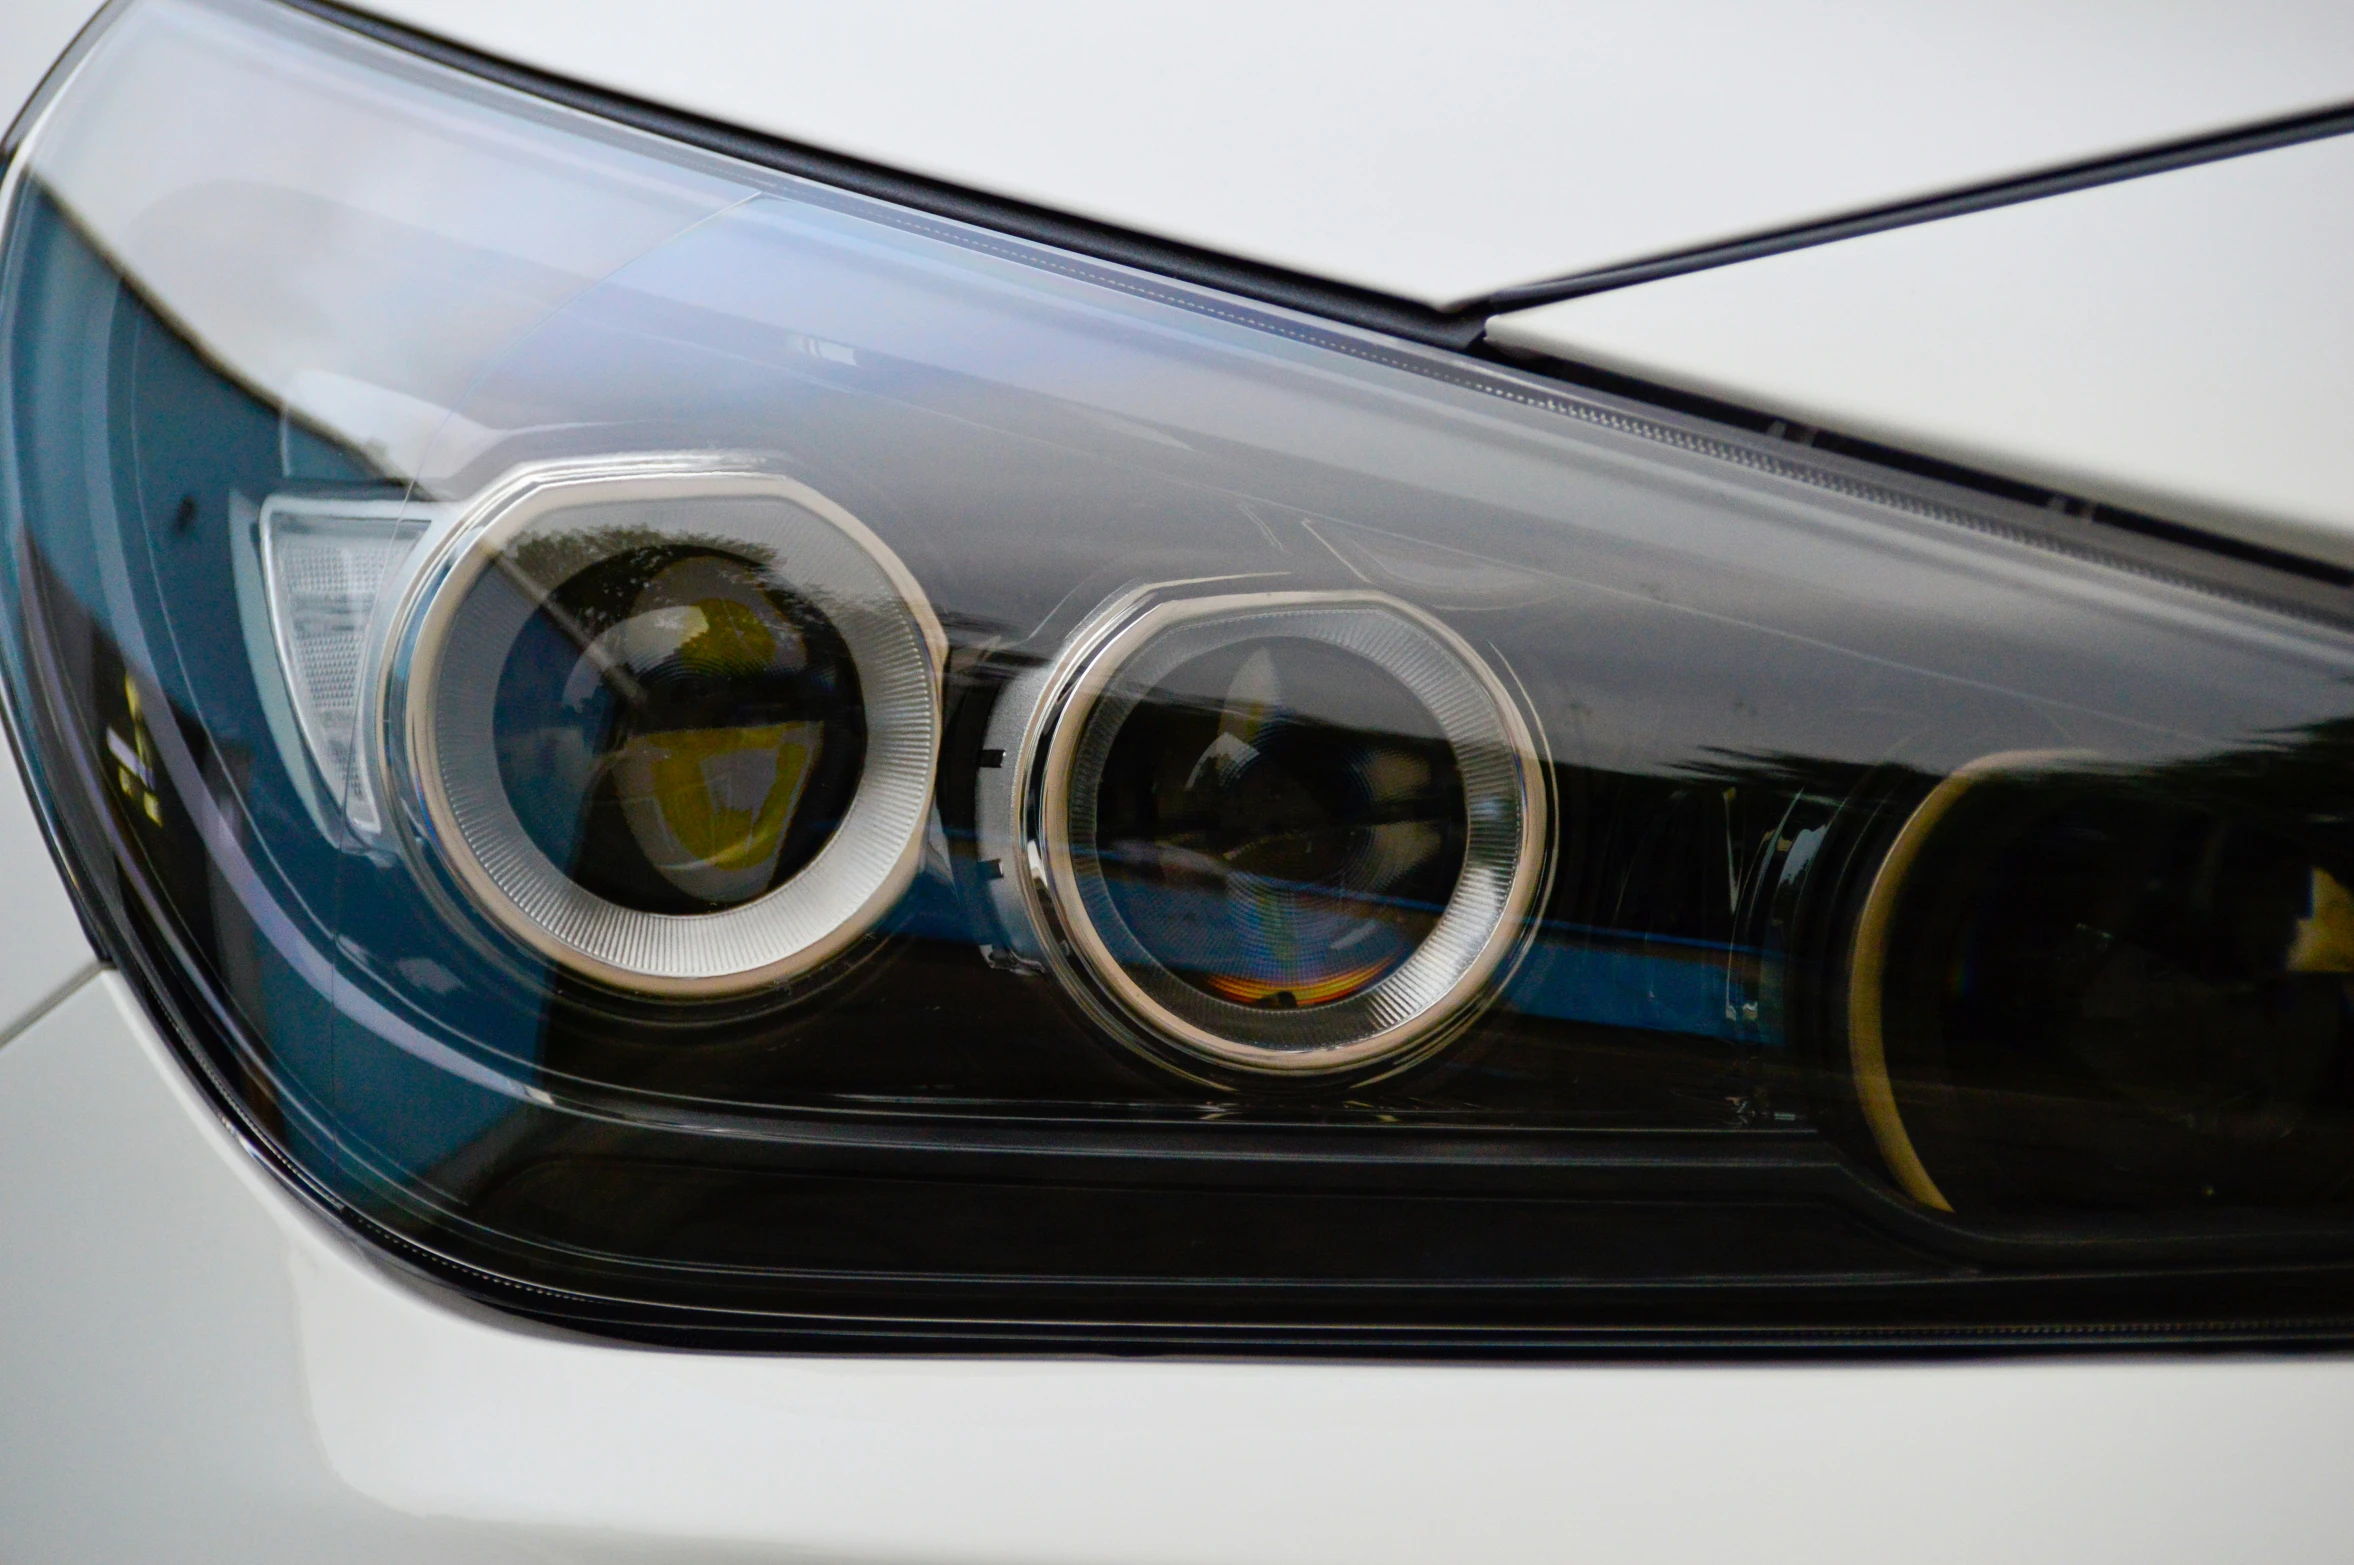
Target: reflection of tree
600, 571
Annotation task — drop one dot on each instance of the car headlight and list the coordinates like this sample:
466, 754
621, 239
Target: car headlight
705, 754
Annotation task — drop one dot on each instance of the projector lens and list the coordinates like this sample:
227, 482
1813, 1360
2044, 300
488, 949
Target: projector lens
1280, 824
674, 728
676, 733
1287, 832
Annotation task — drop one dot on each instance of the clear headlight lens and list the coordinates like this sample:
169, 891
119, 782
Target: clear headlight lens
712, 755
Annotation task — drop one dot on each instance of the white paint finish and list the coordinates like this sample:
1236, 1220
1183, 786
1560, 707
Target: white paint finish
197, 1371
155, 1408
33, 33
1439, 156
2182, 344
42, 947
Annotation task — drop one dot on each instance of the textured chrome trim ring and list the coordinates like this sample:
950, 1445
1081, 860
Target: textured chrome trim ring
456, 819
1485, 923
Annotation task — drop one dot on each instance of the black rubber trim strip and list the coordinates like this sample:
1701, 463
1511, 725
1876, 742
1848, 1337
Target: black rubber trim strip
1101, 241
2189, 152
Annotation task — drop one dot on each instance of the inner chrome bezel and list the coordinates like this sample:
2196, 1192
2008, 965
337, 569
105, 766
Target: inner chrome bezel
440, 760
1454, 970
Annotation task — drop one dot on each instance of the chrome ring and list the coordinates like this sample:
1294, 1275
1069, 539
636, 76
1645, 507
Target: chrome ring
439, 754
1083, 702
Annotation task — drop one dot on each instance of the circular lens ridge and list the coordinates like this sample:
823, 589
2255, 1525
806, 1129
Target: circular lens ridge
2079, 988
1287, 832
673, 727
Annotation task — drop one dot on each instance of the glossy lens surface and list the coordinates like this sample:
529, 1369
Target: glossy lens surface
1285, 832
2117, 997
677, 731
1280, 824
710, 756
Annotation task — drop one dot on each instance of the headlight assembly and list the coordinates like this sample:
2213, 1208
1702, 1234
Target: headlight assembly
714, 758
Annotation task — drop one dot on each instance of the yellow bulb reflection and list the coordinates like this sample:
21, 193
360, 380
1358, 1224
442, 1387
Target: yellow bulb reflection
710, 803
2324, 941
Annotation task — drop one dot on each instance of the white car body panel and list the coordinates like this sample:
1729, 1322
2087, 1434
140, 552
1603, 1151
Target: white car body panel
33, 33
2181, 344
198, 1370
43, 951
1440, 156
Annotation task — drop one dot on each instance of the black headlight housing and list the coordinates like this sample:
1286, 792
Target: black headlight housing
715, 759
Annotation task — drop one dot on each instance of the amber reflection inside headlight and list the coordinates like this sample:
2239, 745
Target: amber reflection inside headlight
670, 725
714, 758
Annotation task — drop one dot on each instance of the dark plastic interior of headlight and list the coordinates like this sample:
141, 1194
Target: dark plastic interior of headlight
712, 759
